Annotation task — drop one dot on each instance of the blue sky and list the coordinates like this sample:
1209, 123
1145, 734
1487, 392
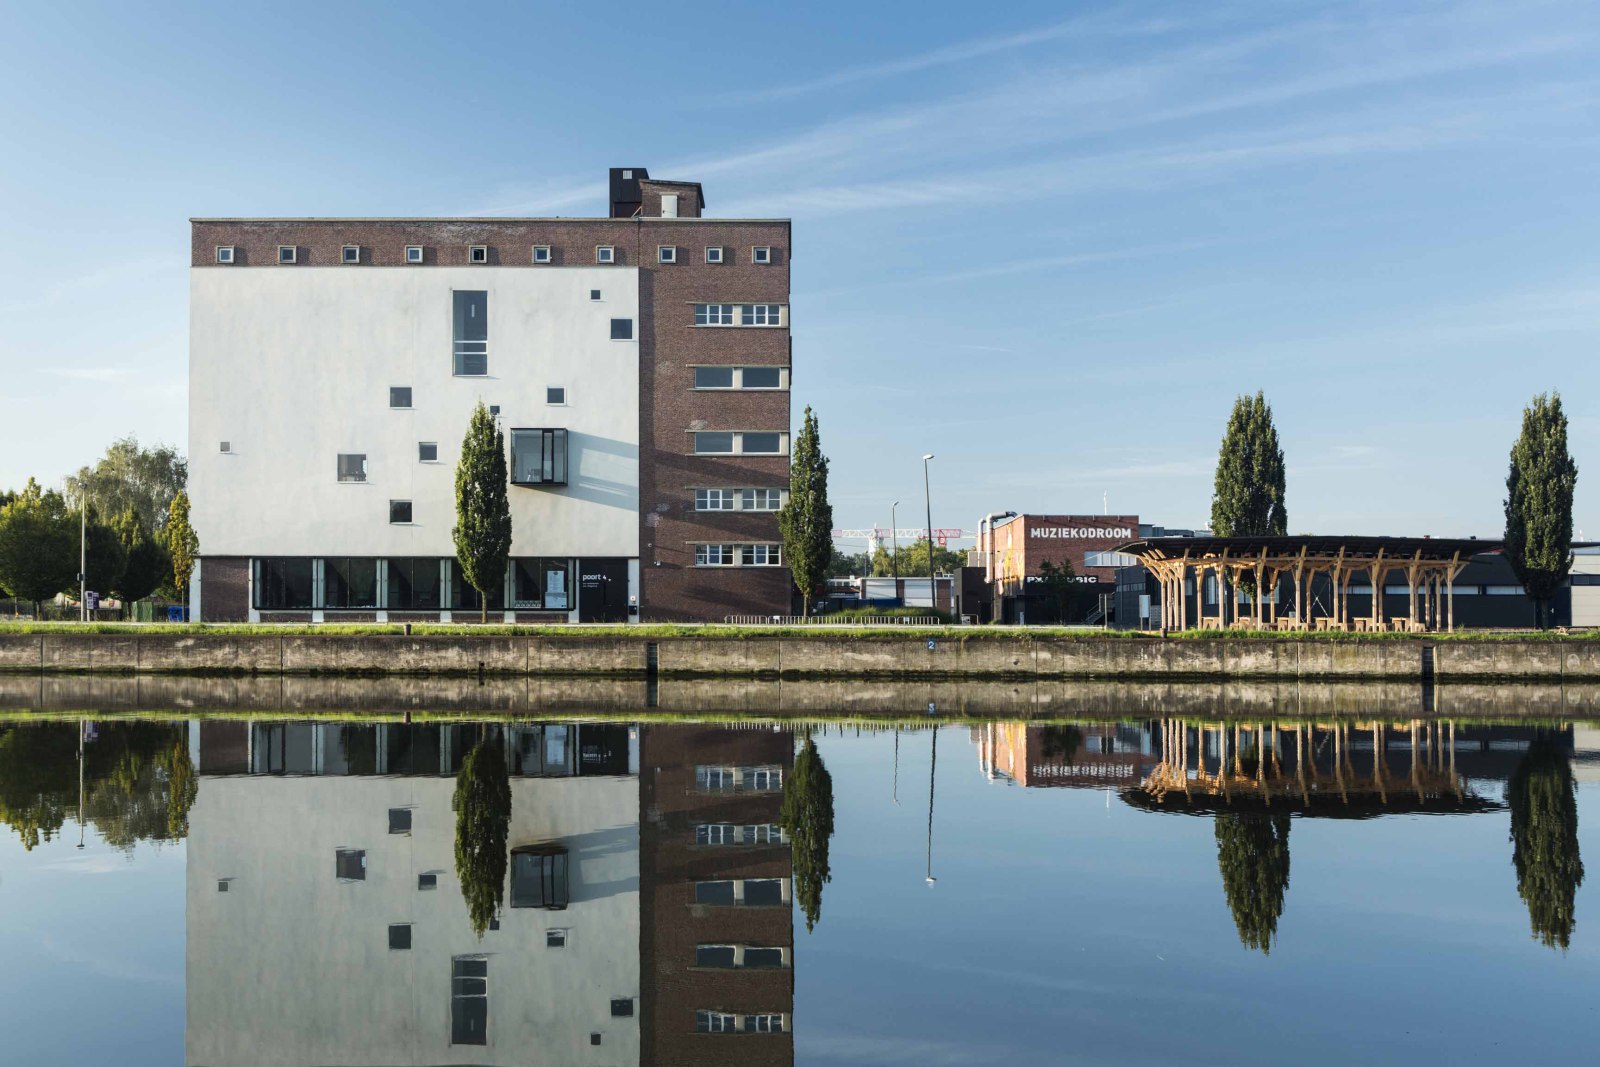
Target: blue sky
1047, 242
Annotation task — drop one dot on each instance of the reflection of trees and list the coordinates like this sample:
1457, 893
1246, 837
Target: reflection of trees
1544, 839
1253, 855
483, 824
139, 782
1060, 744
807, 817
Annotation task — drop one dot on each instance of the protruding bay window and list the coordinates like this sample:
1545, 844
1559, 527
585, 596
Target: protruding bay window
538, 457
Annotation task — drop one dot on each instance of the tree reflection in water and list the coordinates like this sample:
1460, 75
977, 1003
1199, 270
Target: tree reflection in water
807, 817
483, 823
1253, 855
138, 781
1544, 839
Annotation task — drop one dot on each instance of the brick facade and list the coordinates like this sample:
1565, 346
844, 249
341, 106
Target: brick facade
225, 589
670, 345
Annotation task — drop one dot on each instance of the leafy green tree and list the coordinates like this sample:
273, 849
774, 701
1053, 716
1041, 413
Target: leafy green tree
483, 825
1058, 581
913, 560
806, 521
807, 817
1248, 500
1538, 503
182, 544
848, 565
483, 514
104, 556
1544, 839
1060, 743
1253, 855
38, 546
131, 476
148, 564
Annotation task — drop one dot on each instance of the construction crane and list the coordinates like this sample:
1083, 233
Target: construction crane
942, 535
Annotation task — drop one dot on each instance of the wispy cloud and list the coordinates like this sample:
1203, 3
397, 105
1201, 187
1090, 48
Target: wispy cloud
88, 374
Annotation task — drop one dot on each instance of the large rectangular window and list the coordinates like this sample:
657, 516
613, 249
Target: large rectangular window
714, 443
761, 314
539, 457
539, 878
350, 583
713, 314
761, 444
414, 584
713, 499
541, 583
283, 584
471, 332
464, 597
469, 1000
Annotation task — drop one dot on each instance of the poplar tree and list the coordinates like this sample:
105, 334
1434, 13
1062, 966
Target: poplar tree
183, 544
1248, 497
1544, 840
1253, 856
1539, 492
483, 824
807, 817
806, 521
483, 514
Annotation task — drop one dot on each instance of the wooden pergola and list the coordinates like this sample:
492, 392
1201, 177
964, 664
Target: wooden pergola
1430, 566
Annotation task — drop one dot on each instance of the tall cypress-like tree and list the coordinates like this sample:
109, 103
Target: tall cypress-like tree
1544, 840
1253, 855
483, 825
1539, 492
806, 521
183, 544
483, 514
807, 817
1248, 500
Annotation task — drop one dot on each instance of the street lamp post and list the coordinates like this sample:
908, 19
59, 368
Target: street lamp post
894, 554
933, 596
83, 555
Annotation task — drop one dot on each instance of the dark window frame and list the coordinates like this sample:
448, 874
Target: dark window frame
554, 447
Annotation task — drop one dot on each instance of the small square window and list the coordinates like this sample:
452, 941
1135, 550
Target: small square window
622, 1008
286, 253
605, 254
761, 254
400, 936
555, 394
622, 329
714, 254
224, 253
594, 1039
352, 466
541, 253
427, 881
478, 254
413, 253
594, 294
666, 254
427, 452
400, 512
399, 820
350, 864
225, 446
351, 254
555, 939
222, 885
400, 396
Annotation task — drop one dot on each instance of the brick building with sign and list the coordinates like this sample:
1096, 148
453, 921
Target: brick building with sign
1013, 550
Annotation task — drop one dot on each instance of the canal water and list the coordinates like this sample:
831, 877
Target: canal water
260, 889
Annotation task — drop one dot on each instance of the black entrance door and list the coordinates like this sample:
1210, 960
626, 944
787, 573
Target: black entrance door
602, 590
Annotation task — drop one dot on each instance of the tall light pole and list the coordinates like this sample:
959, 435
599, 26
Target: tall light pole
933, 596
894, 555
933, 765
83, 554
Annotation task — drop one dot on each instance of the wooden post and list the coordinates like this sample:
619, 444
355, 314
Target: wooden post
1450, 597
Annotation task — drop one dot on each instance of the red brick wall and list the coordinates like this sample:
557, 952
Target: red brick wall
1031, 540
224, 589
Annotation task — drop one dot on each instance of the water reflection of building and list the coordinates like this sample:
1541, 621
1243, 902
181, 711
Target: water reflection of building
1348, 768
718, 942
325, 923
1082, 755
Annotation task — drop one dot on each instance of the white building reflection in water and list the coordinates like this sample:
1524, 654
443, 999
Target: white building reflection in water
326, 925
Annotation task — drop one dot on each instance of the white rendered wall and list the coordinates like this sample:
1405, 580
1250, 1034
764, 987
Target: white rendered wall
292, 967
293, 365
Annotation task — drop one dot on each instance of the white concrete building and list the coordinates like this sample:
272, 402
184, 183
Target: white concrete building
326, 925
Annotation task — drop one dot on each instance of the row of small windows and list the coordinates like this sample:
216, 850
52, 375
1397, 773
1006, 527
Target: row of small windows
726, 1022
538, 457
740, 315
739, 499
717, 779
741, 377
478, 254
740, 443
727, 833
738, 555
404, 584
